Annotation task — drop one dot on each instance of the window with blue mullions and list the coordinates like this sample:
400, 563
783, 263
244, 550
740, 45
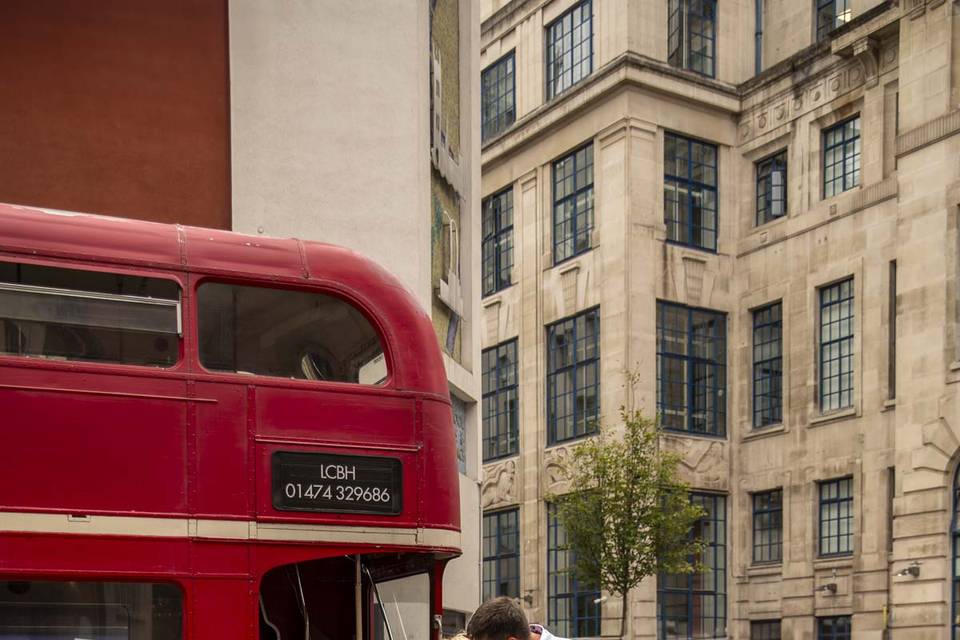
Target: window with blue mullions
767, 366
772, 188
836, 517
691, 35
498, 96
572, 610
691, 369
501, 554
695, 605
768, 526
955, 573
501, 429
573, 204
830, 15
841, 157
569, 49
573, 377
497, 244
836, 346
690, 191
833, 628
765, 630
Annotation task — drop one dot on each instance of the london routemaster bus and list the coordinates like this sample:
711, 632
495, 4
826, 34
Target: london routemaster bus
210, 435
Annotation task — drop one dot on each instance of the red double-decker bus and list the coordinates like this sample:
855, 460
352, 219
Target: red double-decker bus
210, 435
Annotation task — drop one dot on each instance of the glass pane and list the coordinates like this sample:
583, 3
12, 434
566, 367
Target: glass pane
406, 608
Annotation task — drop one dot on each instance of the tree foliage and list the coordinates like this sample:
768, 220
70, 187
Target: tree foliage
629, 515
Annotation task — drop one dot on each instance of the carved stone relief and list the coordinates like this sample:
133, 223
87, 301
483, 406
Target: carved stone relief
499, 486
555, 470
703, 462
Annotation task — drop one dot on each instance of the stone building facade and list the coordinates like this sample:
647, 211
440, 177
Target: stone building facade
751, 205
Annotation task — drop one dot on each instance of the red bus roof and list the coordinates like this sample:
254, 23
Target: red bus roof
407, 330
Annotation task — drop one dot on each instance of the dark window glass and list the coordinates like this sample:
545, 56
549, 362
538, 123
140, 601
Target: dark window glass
55, 610
836, 346
691, 35
836, 517
772, 188
691, 369
572, 204
833, 628
569, 49
695, 605
767, 366
498, 96
768, 526
758, 36
573, 376
690, 191
841, 157
830, 15
955, 568
288, 334
571, 608
497, 241
500, 401
765, 630
501, 554
91, 316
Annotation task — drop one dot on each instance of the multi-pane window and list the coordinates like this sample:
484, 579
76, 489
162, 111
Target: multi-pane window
768, 526
836, 517
501, 555
692, 35
836, 346
497, 241
695, 605
573, 376
830, 15
772, 188
572, 203
572, 610
500, 420
690, 191
498, 96
765, 630
691, 369
569, 48
955, 572
833, 628
767, 366
841, 157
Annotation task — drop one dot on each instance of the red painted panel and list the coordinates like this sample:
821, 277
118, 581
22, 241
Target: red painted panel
222, 469
226, 251
48, 555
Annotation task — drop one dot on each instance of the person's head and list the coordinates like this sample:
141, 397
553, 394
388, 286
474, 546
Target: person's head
499, 619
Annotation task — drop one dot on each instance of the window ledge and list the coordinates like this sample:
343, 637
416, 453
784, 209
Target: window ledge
839, 414
763, 432
834, 562
953, 372
677, 433
491, 301
769, 569
889, 403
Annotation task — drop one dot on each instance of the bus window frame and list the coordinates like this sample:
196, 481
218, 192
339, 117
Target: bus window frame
177, 277
344, 294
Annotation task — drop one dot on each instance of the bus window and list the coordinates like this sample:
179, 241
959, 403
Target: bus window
40, 610
402, 609
287, 334
69, 314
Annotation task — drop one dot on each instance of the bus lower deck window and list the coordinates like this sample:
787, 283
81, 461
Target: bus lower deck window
288, 334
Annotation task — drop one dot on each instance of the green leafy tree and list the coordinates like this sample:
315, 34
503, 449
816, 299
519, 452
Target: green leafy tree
629, 515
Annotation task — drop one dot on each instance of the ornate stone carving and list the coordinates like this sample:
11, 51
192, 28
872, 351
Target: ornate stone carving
702, 461
555, 469
499, 484
866, 51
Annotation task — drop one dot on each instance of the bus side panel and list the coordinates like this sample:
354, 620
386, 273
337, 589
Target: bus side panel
100, 557
223, 608
224, 482
440, 467
90, 442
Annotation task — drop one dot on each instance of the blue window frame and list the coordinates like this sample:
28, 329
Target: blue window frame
573, 204
569, 56
836, 517
501, 554
836, 346
690, 191
830, 15
497, 245
767, 366
692, 35
758, 36
765, 630
841, 157
571, 608
498, 96
501, 429
833, 628
691, 369
955, 573
573, 377
768, 526
695, 605
772, 188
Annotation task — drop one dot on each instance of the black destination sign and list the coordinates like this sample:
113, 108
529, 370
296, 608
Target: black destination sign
335, 483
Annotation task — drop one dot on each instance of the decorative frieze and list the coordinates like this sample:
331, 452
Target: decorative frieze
499, 486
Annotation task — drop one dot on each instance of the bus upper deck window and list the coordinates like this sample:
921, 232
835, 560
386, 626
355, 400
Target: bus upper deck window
287, 334
94, 316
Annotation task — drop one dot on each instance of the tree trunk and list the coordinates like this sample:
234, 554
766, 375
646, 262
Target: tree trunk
623, 614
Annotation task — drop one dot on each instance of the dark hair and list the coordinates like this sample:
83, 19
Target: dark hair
498, 619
